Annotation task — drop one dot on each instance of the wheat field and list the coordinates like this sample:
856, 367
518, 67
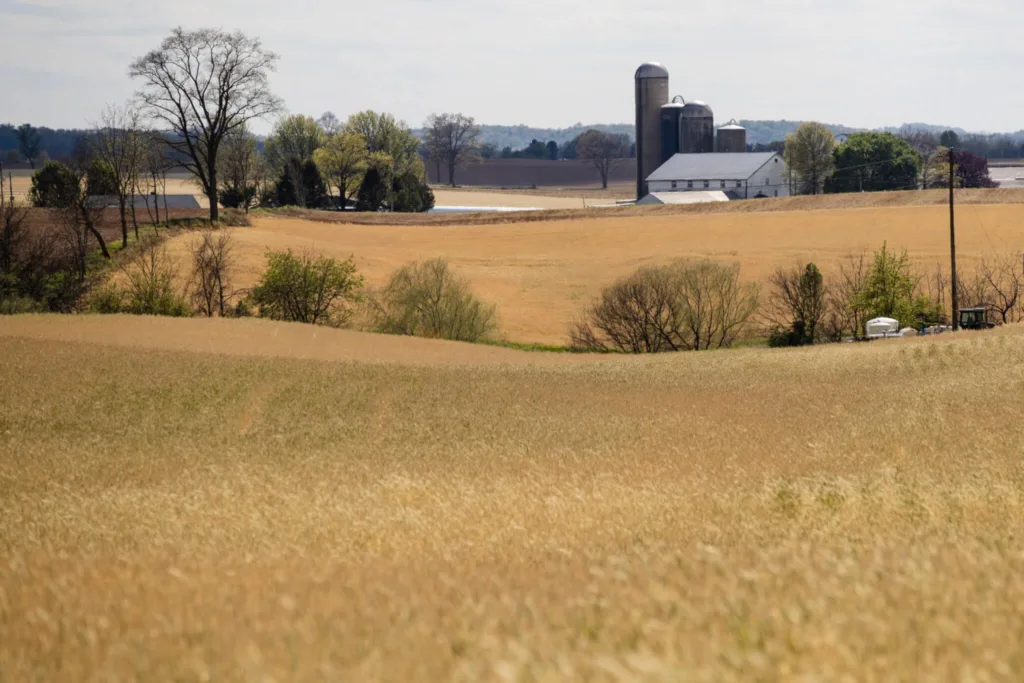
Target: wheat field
542, 274
228, 500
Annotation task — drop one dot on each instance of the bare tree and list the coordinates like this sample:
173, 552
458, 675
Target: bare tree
238, 166
29, 142
927, 146
686, 305
330, 124
843, 315
202, 85
997, 284
118, 142
452, 138
797, 305
154, 165
602, 150
212, 263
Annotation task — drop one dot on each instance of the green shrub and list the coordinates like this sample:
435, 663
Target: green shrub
307, 289
13, 305
146, 286
53, 186
107, 300
428, 300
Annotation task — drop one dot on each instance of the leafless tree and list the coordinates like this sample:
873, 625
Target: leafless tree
118, 142
927, 146
212, 263
451, 138
330, 124
843, 316
1004, 280
154, 166
602, 150
797, 304
202, 85
239, 160
686, 305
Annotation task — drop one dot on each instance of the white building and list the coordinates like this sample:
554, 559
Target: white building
740, 175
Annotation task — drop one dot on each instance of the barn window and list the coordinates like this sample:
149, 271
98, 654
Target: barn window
723, 184
707, 184
739, 183
689, 184
673, 184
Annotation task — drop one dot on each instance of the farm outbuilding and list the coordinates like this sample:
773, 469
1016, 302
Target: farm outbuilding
742, 175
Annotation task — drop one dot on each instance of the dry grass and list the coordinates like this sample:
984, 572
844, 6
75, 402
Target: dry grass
542, 274
842, 513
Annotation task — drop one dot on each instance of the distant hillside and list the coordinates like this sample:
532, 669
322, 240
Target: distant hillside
758, 132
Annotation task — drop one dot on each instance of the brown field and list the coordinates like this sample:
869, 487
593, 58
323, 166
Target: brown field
542, 273
176, 184
249, 501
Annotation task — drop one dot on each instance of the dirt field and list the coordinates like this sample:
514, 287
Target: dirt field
176, 184
542, 274
241, 500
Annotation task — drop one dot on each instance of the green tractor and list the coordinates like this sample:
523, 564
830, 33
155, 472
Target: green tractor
975, 319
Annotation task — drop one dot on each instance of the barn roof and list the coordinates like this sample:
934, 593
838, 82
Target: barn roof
714, 166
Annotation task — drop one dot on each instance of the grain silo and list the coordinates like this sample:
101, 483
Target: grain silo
732, 138
651, 82
697, 129
670, 115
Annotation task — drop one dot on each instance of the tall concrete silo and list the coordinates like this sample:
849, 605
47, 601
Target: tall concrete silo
651, 82
697, 128
732, 138
670, 115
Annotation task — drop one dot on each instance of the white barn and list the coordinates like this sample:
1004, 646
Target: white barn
740, 175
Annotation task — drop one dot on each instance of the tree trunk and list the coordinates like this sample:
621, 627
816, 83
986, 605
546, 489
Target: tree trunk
123, 209
135, 221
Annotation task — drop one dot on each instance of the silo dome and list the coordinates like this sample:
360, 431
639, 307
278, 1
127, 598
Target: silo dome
697, 128
651, 70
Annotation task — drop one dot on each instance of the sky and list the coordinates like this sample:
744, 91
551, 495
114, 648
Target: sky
548, 63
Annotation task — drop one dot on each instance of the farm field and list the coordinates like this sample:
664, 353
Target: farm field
178, 183
542, 273
248, 500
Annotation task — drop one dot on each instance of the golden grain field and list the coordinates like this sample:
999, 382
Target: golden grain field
542, 274
253, 501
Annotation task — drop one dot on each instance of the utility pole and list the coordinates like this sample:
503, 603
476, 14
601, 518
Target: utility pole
1, 185
952, 244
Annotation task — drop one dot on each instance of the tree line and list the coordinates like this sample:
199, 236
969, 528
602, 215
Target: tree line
881, 161
688, 305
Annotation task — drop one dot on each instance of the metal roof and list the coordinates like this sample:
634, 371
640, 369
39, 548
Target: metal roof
706, 197
172, 201
713, 166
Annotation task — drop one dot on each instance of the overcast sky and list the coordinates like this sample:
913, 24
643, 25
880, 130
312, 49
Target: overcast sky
549, 62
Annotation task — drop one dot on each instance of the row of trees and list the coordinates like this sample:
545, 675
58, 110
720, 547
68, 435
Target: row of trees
873, 162
451, 140
697, 305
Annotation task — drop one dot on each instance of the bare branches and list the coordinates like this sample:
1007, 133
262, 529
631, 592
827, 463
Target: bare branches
451, 139
118, 142
201, 85
682, 306
212, 264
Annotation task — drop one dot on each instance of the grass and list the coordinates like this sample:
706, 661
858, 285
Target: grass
246, 500
541, 275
